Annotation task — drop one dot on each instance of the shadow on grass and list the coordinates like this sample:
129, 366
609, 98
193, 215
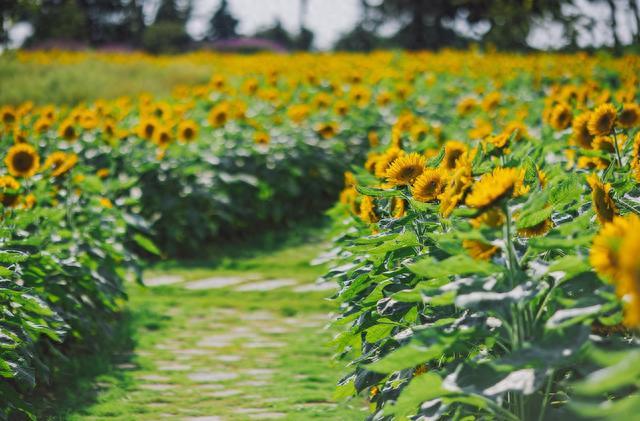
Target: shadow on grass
82, 370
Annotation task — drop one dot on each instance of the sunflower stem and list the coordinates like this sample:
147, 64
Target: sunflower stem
615, 147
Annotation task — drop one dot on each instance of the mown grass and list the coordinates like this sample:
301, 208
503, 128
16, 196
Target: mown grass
92, 79
303, 377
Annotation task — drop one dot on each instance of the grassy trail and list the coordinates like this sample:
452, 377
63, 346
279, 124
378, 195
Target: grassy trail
238, 338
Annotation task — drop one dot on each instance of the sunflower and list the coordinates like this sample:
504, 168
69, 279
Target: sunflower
60, 163
516, 129
219, 115
398, 207
580, 135
479, 250
600, 196
493, 217
560, 117
537, 230
629, 116
67, 130
500, 141
492, 187
373, 138
341, 108
187, 131
327, 130
384, 161
103, 172
22, 160
261, 138
162, 137
8, 115
593, 163
404, 170
614, 256
9, 187
367, 210
429, 185
635, 156
456, 187
602, 120
453, 150
466, 105
147, 127
603, 143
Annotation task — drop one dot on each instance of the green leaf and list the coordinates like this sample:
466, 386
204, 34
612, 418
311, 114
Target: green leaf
9, 257
609, 379
370, 191
530, 219
146, 244
460, 264
422, 388
407, 356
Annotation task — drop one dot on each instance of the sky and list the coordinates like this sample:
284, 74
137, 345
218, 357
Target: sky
329, 19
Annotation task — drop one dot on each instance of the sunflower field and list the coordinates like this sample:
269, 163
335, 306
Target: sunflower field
487, 235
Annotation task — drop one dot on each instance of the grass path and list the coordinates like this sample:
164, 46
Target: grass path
238, 338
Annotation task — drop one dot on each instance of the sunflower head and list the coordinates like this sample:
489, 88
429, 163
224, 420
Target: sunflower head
453, 150
601, 199
261, 138
429, 185
501, 183
60, 163
405, 169
614, 256
479, 250
367, 210
561, 116
22, 160
8, 115
219, 115
384, 161
537, 230
9, 191
456, 187
187, 131
602, 120
162, 137
67, 130
327, 130
629, 116
580, 135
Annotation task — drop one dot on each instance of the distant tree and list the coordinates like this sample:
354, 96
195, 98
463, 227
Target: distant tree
59, 19
222, 25
12, 12
359, 39
278, 34
304, 40
168, 32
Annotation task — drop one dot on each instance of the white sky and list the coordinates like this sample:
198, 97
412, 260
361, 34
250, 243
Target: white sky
328, 19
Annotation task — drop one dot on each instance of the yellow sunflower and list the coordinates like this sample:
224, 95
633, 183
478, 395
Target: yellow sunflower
537, 230
67, 130
499, 184
561, 116
479, 250
404, 170
367, 210
384, 161
602, 120
261, 138
493, 217
60, 163
187, 131
601, 200
614, 256
22, 160
327, 130
453, 150
629, 116
162, 137
398, 207
580, 135
147, 128
429, 185
456, 187
603, 143
219, 115
635, 156
9, 188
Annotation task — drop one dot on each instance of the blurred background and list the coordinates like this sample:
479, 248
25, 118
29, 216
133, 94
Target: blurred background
168, 26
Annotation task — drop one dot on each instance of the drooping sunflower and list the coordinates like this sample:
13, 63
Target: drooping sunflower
404, 170
367, 210
635, 156
187, 131
429, 185
9, 191
580, 135
629, 116
398, 207
601, 200
493, 217
561, 116
456, 187
479, 250
22, 160
492, 187
60, 163
537, 230
602, 120
453, 150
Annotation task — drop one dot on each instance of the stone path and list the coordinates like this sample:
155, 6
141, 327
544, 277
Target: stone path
228, 346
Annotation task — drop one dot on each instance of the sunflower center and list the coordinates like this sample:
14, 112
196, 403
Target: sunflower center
23, 161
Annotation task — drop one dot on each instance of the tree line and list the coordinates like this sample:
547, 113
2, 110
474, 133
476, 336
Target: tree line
160, 25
